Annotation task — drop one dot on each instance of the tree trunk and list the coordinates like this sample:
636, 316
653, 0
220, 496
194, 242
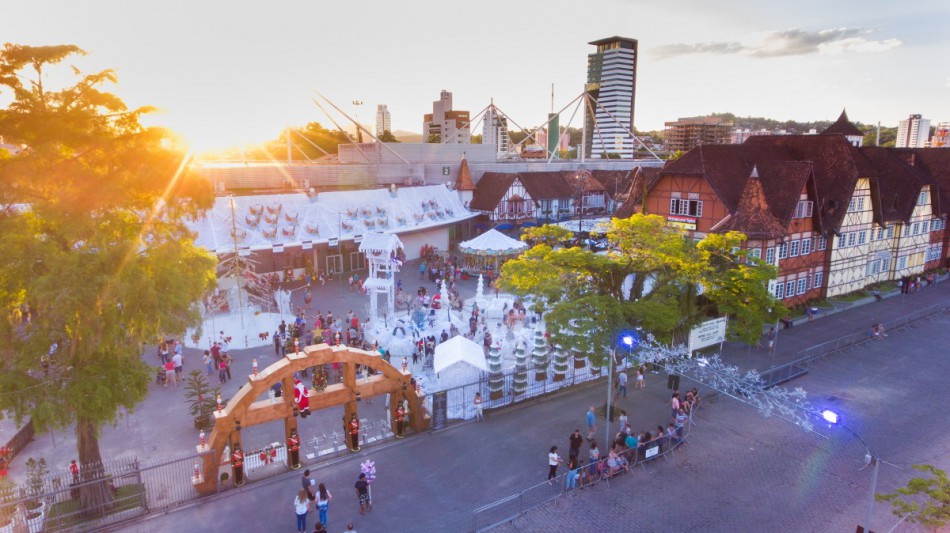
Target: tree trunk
95, 499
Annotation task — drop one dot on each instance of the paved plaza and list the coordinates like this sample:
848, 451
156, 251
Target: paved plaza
739, 471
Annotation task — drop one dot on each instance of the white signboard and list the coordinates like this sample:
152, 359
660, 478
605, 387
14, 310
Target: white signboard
278, 248
708, 333
651, 452
306, 245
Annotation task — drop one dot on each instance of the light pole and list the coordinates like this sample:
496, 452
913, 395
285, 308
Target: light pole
630, 340
869, 460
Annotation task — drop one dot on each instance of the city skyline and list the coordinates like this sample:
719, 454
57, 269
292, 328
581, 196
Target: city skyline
229, 74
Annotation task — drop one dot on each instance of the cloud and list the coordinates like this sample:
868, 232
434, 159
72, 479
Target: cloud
674, 50
787, 43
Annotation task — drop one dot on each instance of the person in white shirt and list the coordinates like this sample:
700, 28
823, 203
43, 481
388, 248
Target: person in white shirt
553, 460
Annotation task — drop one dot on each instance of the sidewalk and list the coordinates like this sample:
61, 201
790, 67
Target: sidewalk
845, 319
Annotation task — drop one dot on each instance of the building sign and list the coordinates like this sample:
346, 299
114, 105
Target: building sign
708, 333
333, 242
446, 170
651, 452
306, 245
440, 410
244, 251
686, 223
357, 239
278, 248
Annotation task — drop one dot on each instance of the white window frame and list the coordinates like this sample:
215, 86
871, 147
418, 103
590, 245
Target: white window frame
818, 278
755, 252
780, 290
862, 237
822, 243
789, 288
770, 256
806, 246
793, 248
804, 209
783, 250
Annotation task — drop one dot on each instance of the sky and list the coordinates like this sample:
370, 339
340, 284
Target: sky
228, 73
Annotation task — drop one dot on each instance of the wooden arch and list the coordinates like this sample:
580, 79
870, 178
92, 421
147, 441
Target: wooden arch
244, 409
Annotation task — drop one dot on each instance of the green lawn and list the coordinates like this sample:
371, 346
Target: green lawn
852, 297
68, 513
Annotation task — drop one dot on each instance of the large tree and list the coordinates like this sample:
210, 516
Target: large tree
96, 257
676, 283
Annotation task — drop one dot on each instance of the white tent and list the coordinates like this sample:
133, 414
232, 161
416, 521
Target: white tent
492, 242
459, 349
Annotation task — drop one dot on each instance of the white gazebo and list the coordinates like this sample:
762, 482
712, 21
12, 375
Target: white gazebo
380, 250
457, 356
494, 244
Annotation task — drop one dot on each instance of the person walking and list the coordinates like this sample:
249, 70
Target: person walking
553, 460
591, 420
594, 457
301, 506
208, 361
178, 362
575, 440
641, 383
307, 484
771, 338
323, 502
479, 415
621, 384
362, 492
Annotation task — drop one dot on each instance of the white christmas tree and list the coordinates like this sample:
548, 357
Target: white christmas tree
539, 356
496, 379
561, 364
580, 359
480, 289
519, 382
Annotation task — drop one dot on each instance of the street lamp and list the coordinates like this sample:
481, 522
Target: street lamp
631, 340
870, 459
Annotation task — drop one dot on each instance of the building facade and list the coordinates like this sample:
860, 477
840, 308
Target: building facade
495, 131
834, 217
687, 133
913, 132
448, 125
612, 82
383, 120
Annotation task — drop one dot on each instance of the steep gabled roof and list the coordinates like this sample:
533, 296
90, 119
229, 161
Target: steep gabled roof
491, 189
935, 164
547, 185
783, 183
843, 126
836, 163
753, 216
641, 183
615, 182
898, 182
464, 180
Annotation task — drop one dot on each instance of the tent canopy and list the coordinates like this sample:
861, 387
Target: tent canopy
459, 349
492, 242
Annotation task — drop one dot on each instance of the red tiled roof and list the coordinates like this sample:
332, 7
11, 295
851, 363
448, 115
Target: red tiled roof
641, 183
753, 217
464, 180
491, 188
898, 184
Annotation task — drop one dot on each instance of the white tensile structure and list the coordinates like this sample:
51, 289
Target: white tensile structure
381, 250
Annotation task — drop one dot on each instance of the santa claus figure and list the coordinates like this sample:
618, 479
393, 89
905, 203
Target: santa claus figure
302, 398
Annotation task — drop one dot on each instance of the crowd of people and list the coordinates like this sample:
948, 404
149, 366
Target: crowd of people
627, 448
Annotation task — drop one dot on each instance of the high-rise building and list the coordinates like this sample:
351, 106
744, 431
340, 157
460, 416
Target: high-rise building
495, 130
612, 82
450, 126
383, 122
688, 133
913, 132
941, 138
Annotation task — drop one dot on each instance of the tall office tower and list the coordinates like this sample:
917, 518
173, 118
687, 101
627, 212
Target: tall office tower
383, 122
449, 126
612, 81
495, 130
913, 132
941, 138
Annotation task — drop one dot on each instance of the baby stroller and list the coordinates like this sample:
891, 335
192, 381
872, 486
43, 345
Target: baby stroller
160, 376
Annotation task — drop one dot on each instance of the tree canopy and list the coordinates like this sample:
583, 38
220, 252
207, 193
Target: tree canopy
925, 500
652, 277
97, 260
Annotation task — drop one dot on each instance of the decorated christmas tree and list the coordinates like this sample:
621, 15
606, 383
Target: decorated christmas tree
251, 288
320, 378
496, 379
519, 382
539, 356
561, 363
580, 358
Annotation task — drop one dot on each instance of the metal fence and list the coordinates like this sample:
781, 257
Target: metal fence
20, 440
813, 354
461, 399
131, 489
605, 470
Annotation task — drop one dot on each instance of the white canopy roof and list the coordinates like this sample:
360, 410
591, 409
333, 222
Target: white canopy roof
266, 221
386, 242
459, 349
492, 242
